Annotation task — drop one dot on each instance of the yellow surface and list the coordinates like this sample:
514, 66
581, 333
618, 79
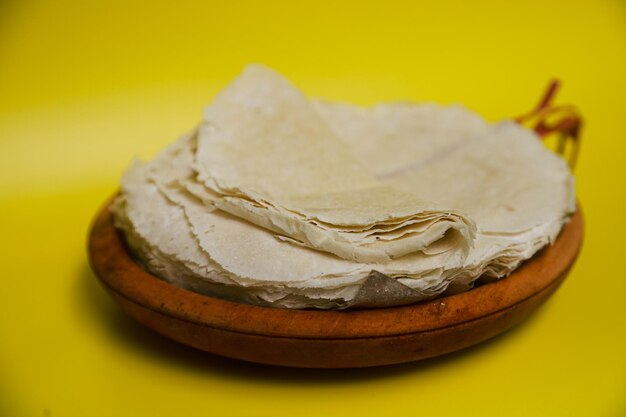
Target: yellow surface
85, 86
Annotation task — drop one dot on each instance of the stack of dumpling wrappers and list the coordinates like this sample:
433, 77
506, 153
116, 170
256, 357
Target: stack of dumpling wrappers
279, 200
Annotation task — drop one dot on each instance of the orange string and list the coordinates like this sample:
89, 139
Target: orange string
546, 119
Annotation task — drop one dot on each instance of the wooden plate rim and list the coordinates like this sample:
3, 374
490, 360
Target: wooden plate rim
116, 269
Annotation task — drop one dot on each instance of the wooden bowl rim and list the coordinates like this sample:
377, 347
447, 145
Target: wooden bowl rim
113, 265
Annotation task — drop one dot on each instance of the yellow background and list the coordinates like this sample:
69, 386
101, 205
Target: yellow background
86, 85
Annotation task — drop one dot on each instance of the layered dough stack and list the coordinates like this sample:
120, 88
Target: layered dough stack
278, 200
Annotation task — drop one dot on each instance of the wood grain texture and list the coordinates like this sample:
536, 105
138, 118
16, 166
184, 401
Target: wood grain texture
328, 339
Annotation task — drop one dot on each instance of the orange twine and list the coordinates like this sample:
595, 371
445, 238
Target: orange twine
564, 121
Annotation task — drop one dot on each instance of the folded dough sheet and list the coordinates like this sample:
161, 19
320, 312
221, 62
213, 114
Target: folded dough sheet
278, 200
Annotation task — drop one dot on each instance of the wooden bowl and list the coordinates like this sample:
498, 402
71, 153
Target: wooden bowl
328, 339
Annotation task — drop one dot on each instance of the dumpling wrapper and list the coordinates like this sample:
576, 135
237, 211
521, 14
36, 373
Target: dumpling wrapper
274, 272
272, 258
500, 174
237, 260
268, 157
518, 192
